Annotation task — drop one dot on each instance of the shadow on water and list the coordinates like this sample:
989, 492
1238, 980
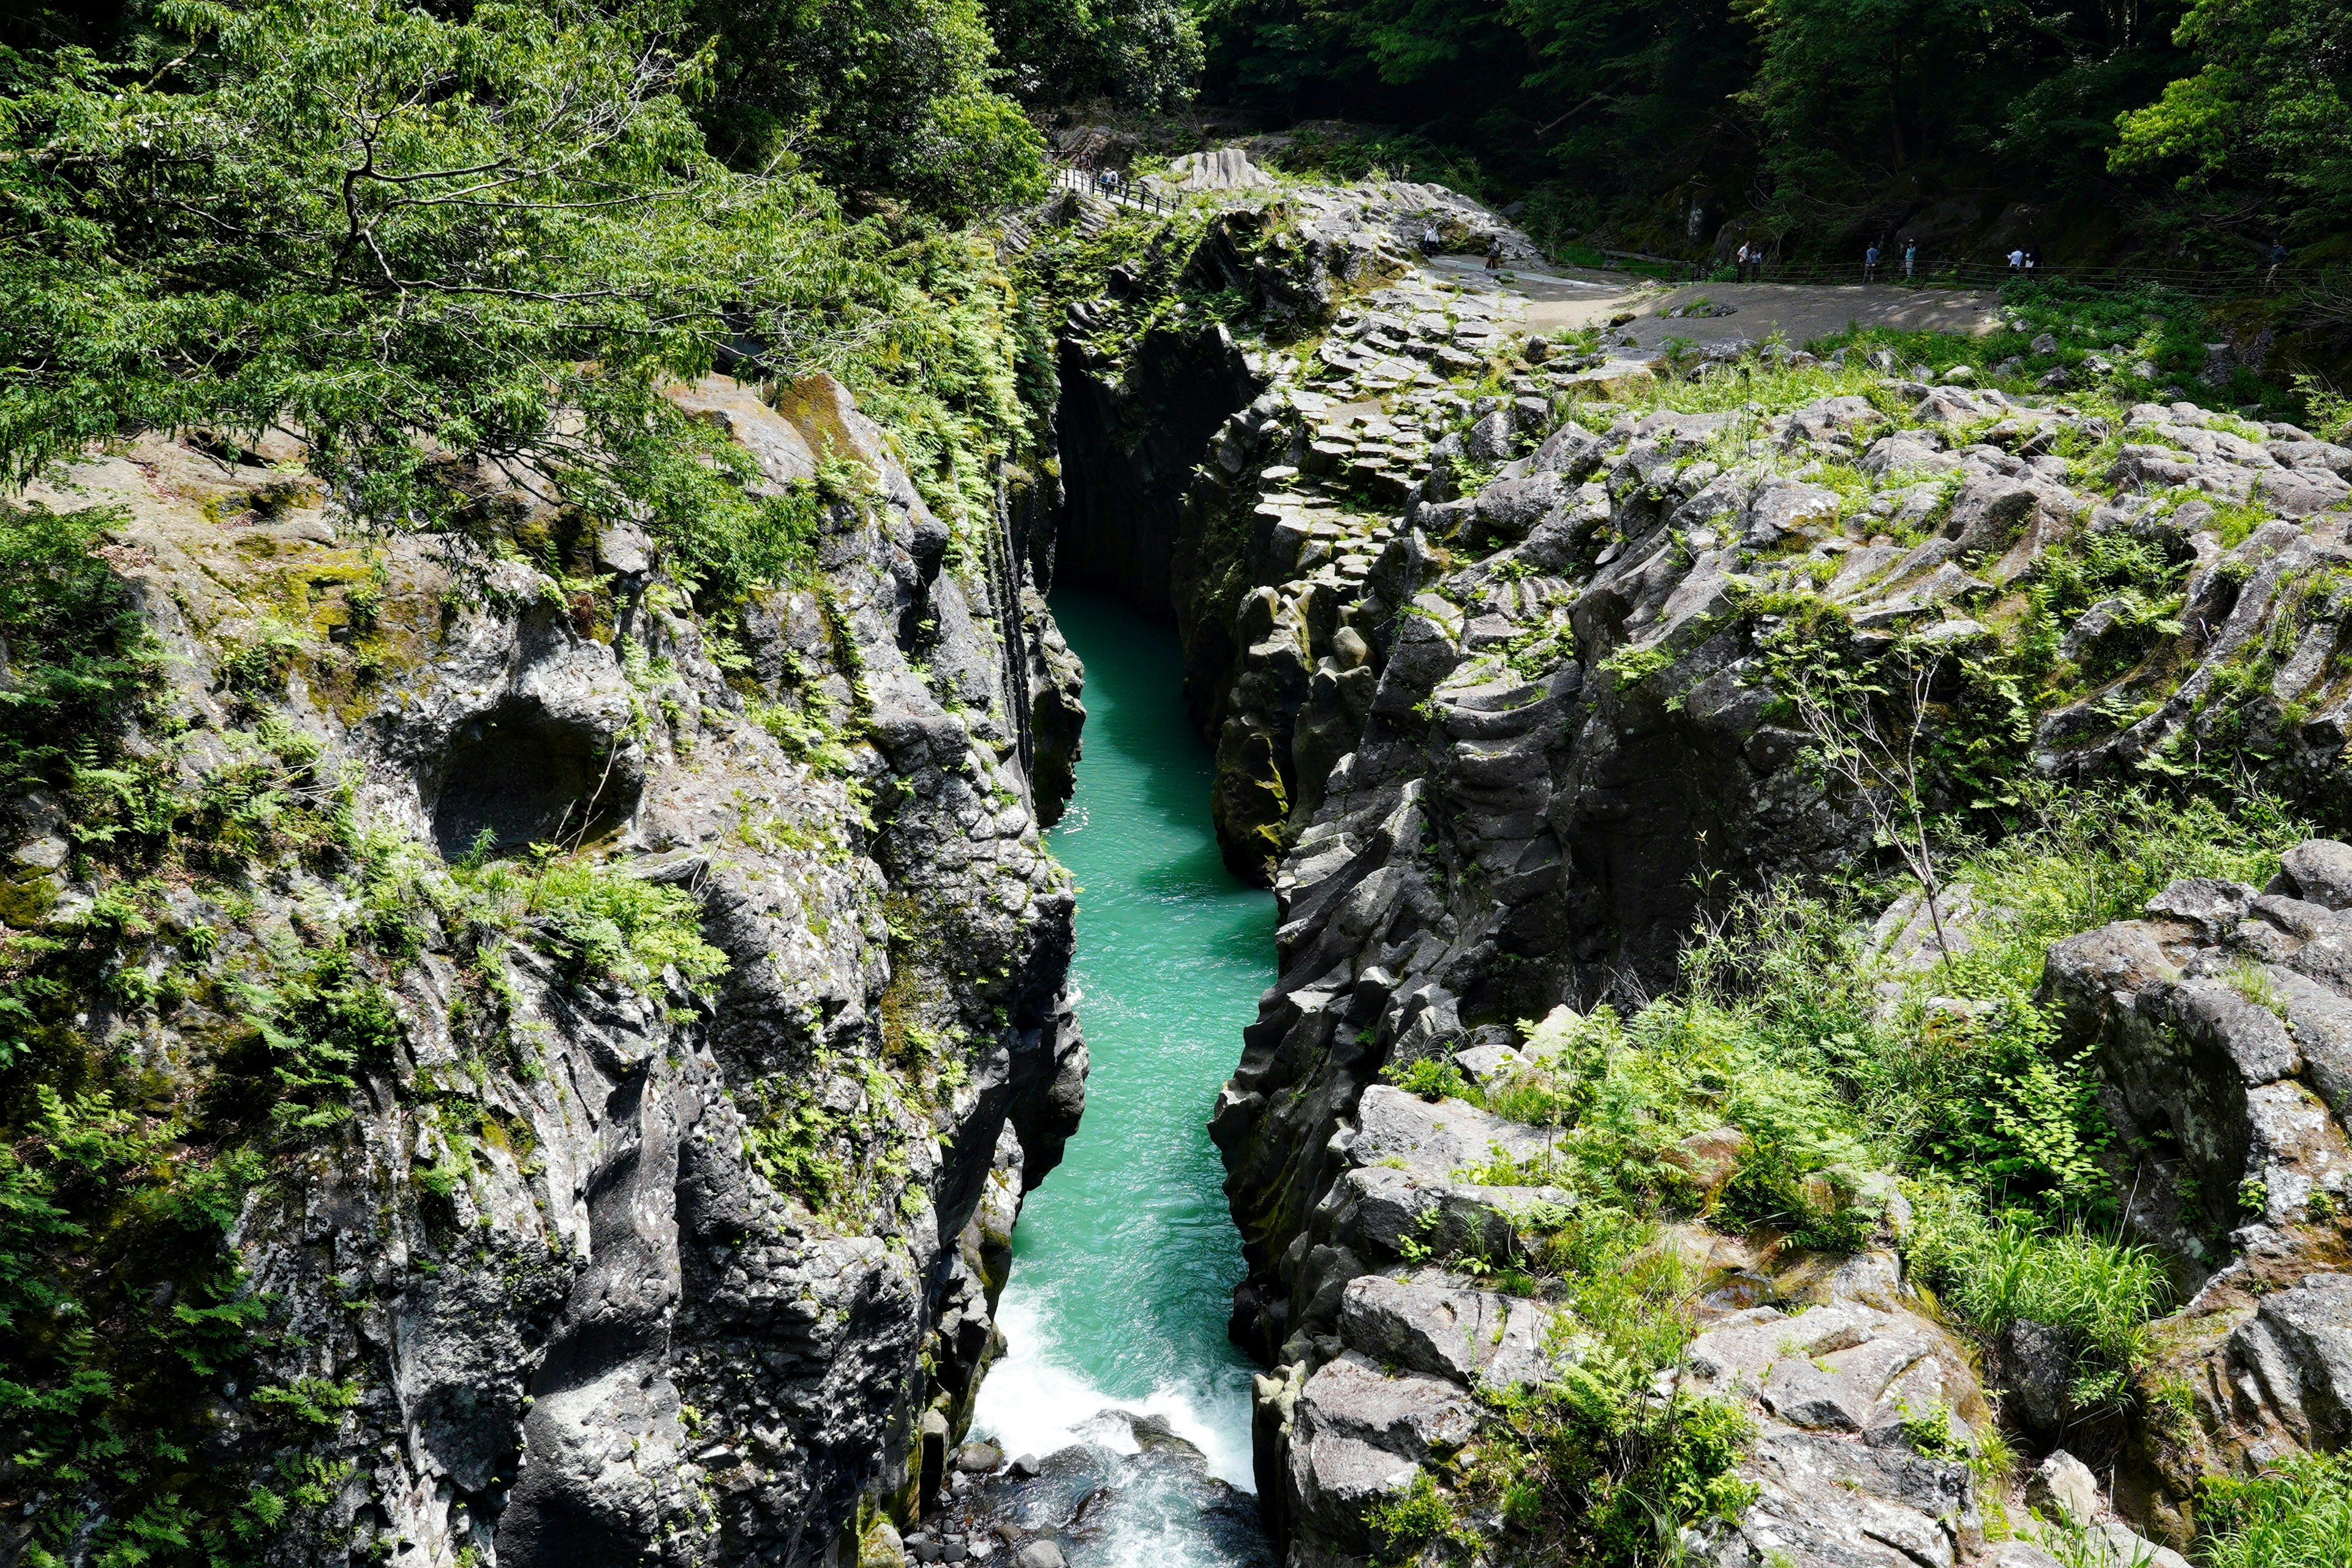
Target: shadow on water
1125, 1260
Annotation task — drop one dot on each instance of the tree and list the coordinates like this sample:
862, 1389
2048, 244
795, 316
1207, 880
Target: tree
414, 239
2261, 134
886, 97
1146, 54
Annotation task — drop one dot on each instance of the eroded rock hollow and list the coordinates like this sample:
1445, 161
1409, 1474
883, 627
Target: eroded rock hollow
685, 1146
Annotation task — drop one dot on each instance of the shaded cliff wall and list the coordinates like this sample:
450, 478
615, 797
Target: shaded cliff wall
607, 1242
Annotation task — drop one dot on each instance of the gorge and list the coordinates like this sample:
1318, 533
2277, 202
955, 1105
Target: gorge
1277, 898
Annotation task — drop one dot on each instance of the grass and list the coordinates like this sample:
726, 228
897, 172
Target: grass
1779, 1031
2298, 1514
2102, 1293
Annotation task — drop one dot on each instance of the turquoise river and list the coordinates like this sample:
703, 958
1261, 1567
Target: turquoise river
1125, 1259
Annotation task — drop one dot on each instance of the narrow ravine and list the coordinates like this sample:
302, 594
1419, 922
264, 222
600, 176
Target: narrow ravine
1124, 1263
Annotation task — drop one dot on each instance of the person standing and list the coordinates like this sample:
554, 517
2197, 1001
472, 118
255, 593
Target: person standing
1910, 257
2278, 261
1494, 253
1870, 265
2032, 259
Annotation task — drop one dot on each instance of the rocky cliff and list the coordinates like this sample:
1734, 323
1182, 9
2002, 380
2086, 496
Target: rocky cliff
598, 1047
1519, 659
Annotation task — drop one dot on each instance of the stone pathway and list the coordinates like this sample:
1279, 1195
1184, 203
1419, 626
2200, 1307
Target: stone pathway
1563, 300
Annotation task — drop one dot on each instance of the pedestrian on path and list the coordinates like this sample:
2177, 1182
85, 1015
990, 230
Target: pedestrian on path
1494, 253
2278, 261
1910, 257
1742, 273
2017, 262
1870, 265
2032, 260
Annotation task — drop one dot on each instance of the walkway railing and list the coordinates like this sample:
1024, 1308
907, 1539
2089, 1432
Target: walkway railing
1110, 186
2200, 283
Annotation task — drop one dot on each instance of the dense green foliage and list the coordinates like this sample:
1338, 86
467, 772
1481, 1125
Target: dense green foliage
884, 98
1145, 54
456, 255
75, 656
409, 237
2267, 116
1816, 118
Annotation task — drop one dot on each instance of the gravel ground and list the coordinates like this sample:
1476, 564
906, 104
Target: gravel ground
1565, 299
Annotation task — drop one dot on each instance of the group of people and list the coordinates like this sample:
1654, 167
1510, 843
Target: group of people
1873, 255
2023, 262
1433, 242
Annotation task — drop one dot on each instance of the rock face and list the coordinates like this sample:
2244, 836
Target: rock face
1391, 1363
2222, 1028
619, 1270
1496, 645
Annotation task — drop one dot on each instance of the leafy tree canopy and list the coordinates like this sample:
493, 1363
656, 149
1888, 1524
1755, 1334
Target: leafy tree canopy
421, 242
2268, 119
2229, 114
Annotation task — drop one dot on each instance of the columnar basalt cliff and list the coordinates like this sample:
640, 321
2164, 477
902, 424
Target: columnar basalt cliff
1519, 659
643, 1196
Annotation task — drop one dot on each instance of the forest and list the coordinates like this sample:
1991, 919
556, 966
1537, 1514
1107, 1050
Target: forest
2196, 132
2208, 131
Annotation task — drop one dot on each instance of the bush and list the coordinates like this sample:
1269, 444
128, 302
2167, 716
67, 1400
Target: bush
1430, 1077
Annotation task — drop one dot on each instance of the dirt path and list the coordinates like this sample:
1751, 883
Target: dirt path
1565, 299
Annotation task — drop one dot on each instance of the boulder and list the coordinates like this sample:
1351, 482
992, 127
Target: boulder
2037, 1371
1465, 1335
2062, 1489
2319, 870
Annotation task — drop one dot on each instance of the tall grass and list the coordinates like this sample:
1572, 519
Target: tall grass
2098, 1291
2298, 1515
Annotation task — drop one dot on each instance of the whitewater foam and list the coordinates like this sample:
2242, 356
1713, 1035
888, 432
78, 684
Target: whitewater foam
1033, 1402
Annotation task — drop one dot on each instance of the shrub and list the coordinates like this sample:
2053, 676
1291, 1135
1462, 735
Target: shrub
1402, 1526
1430, 1077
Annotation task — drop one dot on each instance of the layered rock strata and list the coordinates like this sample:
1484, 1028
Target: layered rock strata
608, 1268
1494, 637
2221, 1024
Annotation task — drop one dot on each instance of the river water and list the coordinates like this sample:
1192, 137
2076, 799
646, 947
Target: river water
1125, 1259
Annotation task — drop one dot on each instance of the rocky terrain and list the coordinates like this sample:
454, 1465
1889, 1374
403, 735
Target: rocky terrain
1514, 653
599, 1046
637, 1197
